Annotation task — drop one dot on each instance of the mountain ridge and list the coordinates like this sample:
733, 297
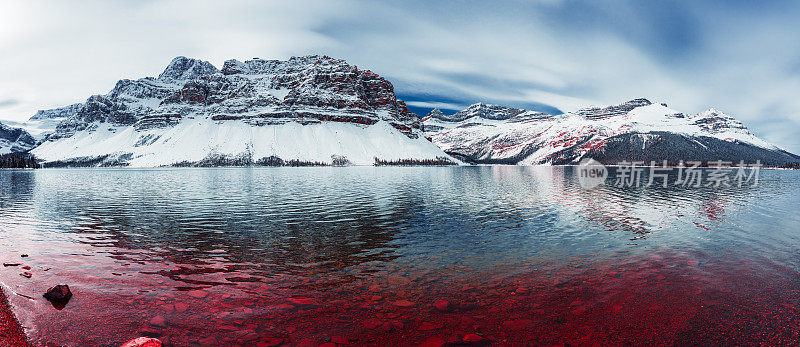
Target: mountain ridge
633, 130
309, 109
314, 109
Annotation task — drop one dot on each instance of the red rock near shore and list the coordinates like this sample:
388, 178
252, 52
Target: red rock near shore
58, 294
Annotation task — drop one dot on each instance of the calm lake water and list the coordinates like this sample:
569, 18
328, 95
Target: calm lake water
364, 255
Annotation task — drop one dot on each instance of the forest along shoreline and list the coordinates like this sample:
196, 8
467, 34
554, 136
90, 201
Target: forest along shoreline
11, 333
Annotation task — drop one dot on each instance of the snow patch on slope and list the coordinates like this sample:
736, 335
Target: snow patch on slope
193, 140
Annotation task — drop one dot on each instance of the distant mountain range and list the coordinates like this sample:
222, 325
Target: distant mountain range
316, 110
637, 130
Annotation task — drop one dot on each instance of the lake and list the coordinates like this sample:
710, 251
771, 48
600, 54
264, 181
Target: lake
398, 256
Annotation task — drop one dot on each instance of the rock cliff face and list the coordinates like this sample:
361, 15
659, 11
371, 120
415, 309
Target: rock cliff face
306, 109
596, 113
637, 130
15, 140
56, 113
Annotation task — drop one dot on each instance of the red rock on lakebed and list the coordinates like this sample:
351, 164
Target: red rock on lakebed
303, 301
442, 305
158, 321
197, 294
143, 342
403, 303
433, 341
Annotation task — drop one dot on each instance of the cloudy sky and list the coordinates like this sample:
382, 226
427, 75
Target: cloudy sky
742, 57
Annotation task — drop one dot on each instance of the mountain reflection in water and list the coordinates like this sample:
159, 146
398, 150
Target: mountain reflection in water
291, 255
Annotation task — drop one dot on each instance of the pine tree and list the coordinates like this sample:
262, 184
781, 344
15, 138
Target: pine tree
18, 161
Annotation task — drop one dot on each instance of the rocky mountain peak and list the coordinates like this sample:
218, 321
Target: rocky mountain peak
327, 100
488, 111
638, 102
712, 112
307, 89
612, 111
435, 113
481, 110
713, 120
183, 68
61, 112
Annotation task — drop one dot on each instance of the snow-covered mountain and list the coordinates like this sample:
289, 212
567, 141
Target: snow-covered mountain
58, 113
311, 109
637, 130
477, 114
44, 122
15, 140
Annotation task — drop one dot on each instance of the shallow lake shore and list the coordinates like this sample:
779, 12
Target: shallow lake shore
499, 255
11, 333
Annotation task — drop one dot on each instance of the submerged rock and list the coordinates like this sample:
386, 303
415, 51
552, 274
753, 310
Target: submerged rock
442, 305
197, 294
301, 300
340, 340
403, 303
59, 294
473, 338
270, 342
158, 321
143, 342
517, 324
433, 341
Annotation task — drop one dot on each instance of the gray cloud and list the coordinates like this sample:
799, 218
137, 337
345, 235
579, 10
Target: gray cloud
8, 103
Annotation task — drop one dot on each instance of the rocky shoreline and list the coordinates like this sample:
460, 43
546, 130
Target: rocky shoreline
11, 333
